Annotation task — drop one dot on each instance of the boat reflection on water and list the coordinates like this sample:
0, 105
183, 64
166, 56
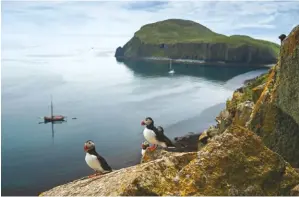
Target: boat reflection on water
52, 126
53, 119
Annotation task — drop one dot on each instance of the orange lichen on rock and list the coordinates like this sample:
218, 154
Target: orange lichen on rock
290, 43
237, 163
265, 92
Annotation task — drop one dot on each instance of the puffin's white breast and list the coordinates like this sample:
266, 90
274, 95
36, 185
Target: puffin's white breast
93, 162
150, 136
142, 152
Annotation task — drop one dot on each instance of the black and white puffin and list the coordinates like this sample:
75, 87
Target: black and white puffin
94, 160
144, 146
155, 135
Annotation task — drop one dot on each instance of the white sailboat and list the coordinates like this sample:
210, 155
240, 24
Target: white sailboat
171, 71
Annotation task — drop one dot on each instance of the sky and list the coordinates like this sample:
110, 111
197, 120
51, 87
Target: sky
109, 24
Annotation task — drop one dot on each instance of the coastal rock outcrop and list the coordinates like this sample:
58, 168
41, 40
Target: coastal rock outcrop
186, 143
184, 39
233, 163
295, 191
119, 53
275, 113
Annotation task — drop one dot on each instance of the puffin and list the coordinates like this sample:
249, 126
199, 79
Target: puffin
155, 135
282, 37
144, 146
94, 160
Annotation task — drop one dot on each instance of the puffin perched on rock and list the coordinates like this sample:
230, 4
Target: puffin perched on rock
282, 37
144, 146
94, 160
155, 135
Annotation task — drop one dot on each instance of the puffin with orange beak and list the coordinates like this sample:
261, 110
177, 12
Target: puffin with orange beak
94, 160
155, 135
144, 146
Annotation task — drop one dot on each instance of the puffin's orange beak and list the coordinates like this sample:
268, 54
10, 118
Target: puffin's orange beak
142, 123
85, 148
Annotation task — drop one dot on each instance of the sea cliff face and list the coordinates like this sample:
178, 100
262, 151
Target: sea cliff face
275, 103
182, 39
208, 52
251, 150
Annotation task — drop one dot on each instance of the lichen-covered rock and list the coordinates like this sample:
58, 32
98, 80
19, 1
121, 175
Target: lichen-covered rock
257, 91
237, 163
295, 191
233, 163
288, 89
206, 136
203, 139
212, 131
151, 178
186, 143
224, 119
156, 154
243, 113
275, 115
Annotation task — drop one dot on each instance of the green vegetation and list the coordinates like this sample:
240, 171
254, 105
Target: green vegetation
174, 31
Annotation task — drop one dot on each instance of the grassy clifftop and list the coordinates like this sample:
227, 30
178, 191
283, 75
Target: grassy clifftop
190, 40
174, 31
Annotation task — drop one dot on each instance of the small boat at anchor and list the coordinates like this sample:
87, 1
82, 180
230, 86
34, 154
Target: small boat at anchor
53, 118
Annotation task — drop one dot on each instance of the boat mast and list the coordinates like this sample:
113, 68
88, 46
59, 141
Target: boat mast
51, 107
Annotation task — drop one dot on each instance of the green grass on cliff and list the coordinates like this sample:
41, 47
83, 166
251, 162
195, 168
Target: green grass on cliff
184, 31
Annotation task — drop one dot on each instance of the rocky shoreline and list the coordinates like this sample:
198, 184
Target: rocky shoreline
191, 61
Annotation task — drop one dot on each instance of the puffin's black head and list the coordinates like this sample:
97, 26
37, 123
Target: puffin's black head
148, 121
89, 145
282, 37
144, 145
160, 129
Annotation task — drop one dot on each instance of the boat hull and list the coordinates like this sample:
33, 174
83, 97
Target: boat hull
53, 118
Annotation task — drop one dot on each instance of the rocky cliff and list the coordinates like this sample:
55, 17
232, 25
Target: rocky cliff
250, 151
273, 110
233, 163
182, 39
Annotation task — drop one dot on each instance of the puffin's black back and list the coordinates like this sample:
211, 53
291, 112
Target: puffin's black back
104, 163
160, 135
162, 138
101, 159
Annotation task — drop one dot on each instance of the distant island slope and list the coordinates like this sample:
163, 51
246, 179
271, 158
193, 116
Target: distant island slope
184, 39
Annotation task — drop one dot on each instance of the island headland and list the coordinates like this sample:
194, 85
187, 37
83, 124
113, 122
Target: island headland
191, 42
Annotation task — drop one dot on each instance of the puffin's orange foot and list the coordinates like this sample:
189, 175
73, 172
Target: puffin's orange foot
94, 175
152, 148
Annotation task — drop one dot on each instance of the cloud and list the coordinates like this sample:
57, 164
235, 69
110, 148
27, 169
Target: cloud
112, 23
146, 5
